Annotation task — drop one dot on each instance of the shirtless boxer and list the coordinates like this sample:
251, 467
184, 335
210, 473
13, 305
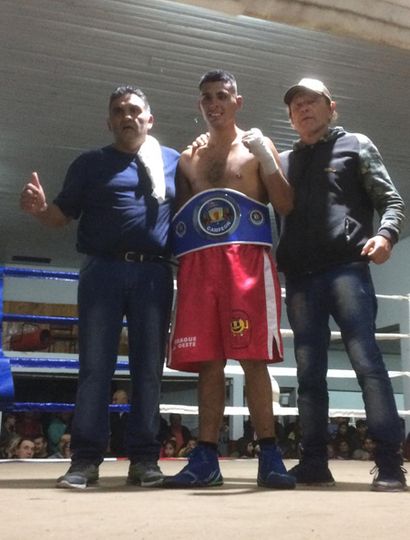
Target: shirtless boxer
228, 302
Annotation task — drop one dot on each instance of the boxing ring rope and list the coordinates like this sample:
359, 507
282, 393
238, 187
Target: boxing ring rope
43, 364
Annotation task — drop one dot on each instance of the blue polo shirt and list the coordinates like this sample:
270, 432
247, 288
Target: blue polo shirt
110, 194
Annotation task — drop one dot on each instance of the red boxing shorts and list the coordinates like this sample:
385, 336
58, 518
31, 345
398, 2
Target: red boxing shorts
228, 307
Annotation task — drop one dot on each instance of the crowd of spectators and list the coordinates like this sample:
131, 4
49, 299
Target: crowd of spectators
347, 440
29, 435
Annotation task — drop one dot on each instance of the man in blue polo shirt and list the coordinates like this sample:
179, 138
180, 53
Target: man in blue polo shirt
122, 195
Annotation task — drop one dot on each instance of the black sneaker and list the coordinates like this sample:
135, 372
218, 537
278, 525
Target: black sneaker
389, 477
312, 472
145, 474
79, 475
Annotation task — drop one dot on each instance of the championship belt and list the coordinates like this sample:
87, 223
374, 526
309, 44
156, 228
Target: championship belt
220, 216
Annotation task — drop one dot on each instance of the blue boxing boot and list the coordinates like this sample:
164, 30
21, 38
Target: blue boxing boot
202, 470
271, 471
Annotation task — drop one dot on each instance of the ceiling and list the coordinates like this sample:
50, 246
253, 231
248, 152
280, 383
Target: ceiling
60, 60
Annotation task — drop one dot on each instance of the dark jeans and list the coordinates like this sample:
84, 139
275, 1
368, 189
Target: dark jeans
346, 293
108, 290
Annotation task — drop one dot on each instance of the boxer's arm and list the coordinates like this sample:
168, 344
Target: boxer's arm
279, 190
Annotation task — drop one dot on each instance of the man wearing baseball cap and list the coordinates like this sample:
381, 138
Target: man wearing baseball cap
307, 85
326, 245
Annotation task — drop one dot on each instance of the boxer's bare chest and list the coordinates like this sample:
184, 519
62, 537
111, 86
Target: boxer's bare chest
219, 167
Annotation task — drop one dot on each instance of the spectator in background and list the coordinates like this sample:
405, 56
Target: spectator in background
341, 430
223, 441
169, 449
163, 429
64, 448
346, 433
360, 434
120, 397
178, 431
8, 428
118, 425
40, 447
366, 451
333, 425
186, 450
342, 449
59, 425
249, 432
29, 424
291, 440
21, 448
245, 449
7, 445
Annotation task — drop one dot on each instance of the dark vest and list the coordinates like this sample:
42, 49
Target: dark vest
333, 215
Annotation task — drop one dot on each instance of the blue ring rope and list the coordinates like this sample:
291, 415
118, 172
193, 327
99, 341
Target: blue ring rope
65, 363
44, 274
42, 319
52, 407
6, 363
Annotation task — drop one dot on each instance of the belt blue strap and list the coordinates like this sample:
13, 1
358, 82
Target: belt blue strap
220, 216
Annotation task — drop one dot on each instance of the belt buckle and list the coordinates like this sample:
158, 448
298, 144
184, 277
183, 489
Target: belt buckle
133, 256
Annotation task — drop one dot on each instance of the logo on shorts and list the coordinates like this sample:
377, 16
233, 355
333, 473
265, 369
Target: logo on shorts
187, 342
218, 216
239, 326
240, 330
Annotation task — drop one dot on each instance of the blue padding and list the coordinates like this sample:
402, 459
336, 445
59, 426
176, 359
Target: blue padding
6, 381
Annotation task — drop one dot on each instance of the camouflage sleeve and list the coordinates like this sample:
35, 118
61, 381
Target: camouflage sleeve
381, 190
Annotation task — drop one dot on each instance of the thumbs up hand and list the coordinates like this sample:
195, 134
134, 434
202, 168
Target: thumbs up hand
32, 198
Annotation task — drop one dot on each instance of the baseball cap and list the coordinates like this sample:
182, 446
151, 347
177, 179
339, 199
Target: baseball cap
313, 85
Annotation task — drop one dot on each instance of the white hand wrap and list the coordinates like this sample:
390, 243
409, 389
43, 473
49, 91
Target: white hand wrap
255, 142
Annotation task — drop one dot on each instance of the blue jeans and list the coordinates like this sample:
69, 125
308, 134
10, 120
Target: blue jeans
109, 290
346, 293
